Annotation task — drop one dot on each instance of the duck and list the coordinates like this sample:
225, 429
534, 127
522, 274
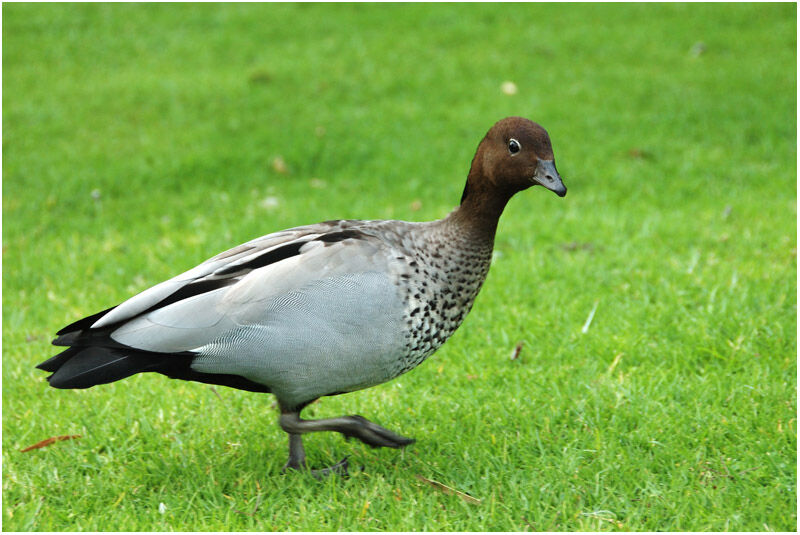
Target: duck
317, 310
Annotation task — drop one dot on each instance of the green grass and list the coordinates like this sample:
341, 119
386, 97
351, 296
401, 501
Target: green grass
139, 140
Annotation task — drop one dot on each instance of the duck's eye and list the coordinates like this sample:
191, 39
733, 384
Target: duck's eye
513, 146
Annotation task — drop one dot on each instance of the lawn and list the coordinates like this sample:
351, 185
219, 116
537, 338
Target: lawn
656, 303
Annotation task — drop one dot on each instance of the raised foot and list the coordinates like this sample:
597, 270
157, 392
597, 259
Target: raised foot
372, 434
339, 468
350, 426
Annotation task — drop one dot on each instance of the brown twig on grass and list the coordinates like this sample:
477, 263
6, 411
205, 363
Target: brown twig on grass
48, 441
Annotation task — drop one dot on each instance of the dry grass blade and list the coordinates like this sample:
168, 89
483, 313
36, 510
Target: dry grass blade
586, 325
48, 441
214, 391
448, 490
255, 509
615, 362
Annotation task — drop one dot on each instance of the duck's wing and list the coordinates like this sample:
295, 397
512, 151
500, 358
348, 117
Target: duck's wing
333, 272
222, 270
315, 272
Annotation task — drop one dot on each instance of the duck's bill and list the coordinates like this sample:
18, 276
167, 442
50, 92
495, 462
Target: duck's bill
547, 176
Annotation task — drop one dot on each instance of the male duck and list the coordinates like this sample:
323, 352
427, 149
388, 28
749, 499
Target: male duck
317, 310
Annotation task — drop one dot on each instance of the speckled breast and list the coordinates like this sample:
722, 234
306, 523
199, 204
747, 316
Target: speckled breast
439, 290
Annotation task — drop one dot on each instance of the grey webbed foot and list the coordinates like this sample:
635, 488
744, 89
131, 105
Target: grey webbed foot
340, 468
297, 460
372, 434
353, 426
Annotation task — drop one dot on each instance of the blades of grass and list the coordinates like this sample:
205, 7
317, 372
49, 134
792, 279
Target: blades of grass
449, 490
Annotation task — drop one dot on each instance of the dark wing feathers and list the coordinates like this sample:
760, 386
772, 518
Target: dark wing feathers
332, 237
192, 289
80, 333
268, 257
84, 323
93, 357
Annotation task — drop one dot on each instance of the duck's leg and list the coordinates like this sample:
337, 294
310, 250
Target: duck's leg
352, 426
297, 459
297, 453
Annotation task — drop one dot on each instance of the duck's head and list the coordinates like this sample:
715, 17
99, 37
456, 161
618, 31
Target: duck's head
515, 155
518, 154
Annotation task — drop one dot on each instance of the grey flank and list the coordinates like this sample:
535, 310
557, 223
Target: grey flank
337, 317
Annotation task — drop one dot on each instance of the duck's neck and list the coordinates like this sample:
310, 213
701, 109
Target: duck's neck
481, 206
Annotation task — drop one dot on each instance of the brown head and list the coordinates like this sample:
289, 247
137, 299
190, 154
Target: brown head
515, 154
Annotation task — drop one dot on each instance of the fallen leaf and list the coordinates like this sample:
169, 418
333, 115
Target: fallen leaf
48, 441
448, 490
279, 165
517, 351
509, 88
260, 76
578, 246
639, 154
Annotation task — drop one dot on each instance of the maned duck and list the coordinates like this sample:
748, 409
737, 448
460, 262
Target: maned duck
317, 310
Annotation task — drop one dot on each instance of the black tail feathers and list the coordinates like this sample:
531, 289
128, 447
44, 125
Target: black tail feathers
97, 360
84, 367
93, 357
